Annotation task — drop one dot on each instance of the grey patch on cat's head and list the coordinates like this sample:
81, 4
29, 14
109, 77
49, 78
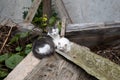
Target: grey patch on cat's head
54, 27
53, 30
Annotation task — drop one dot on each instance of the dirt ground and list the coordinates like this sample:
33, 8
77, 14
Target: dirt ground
7, 47
110, 52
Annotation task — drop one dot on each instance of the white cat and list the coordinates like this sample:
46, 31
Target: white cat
64, 45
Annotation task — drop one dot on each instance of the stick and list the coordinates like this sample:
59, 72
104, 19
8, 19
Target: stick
6, 39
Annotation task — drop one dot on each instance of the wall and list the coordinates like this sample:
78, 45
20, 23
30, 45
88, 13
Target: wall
85, 11
13, 9
81, 11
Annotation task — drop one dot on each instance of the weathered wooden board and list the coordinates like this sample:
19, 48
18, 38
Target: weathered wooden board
32, 11
57, 68
92, 26
95, 65
51, 68
91, 36
47, 8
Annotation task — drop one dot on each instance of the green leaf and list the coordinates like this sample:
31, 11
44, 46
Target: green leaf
18, 48
14, 39
36, 19
29, 46
3, 73
27, 51
24, 34
18, 36
25, 14
3, 57
52, 21
13, 61
59, 26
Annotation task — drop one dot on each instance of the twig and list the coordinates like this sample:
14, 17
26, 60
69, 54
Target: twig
6, 39
115, 55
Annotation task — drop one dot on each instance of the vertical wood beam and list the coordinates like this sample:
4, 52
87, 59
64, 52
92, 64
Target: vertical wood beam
32, 11
47, 8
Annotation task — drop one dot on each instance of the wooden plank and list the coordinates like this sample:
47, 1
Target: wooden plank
95, 65
51, 68
62, 10
91, 26
32, 11
47, 8
63, 28
57, 68
95, 37
8, 22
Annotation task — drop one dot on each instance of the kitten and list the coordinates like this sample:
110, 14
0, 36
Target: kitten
43, 47
46, 46
54, 33
64, 45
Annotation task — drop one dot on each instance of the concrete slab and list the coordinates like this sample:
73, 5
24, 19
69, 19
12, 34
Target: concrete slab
13, 9
85, 11
81, 11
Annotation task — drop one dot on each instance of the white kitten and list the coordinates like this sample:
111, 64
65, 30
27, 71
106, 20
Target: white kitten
64, 45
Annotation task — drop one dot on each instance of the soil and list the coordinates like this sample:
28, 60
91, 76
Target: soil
4, 30
10, 48
110, 52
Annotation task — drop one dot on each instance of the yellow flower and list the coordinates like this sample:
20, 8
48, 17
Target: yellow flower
44, 19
